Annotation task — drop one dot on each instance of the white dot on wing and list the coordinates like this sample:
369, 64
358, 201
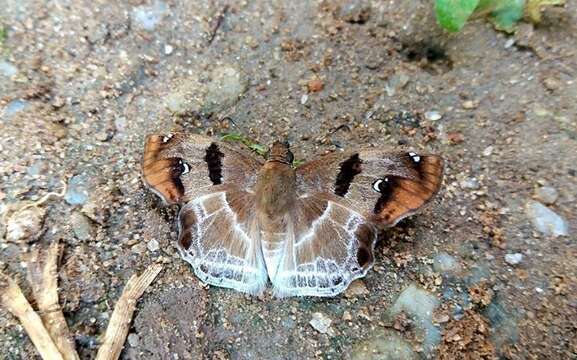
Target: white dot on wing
416, 158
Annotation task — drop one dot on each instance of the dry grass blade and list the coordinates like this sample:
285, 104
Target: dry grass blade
13, 299
44, 281
119, 324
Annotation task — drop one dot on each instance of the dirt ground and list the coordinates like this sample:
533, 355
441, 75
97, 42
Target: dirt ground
83, 82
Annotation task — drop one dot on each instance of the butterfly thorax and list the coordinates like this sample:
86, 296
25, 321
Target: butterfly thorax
275, 195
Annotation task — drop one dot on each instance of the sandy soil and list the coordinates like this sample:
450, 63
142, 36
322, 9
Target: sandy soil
82, 83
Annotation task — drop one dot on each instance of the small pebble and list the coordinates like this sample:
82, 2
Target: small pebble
320, 322
545, 220
133, 339
355, 12
513, 259
420, 305
168, 49
147, 17
152, 245
25, 225
356, 288
547, 195
443, 263
315, 85
77, 190
433, 115
81, 226
552, 84
7, 69
138, 248
470, 104
227, 85
304, 99
470, 183
396, 82
13, 107
510, 42
488, 151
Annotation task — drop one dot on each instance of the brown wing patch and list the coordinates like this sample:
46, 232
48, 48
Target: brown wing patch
401, 196
163, 174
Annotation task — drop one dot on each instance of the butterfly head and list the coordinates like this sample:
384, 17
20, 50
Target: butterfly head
280, 152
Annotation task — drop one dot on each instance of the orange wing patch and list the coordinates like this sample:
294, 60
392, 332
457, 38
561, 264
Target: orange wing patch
400, 197
162, 175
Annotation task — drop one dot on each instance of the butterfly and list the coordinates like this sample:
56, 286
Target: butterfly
309, 231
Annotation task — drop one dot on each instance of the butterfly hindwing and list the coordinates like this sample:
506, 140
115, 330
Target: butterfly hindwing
219, 238
328, 245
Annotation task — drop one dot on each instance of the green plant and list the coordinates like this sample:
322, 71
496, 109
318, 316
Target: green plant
504, 14
3, 35
253, 145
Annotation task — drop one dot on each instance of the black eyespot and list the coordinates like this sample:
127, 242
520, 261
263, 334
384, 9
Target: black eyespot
381, 185
386, 187
184, 167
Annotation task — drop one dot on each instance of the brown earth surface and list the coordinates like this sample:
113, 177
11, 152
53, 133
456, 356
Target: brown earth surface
83, 82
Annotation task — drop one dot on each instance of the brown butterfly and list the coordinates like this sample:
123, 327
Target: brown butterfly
309, 231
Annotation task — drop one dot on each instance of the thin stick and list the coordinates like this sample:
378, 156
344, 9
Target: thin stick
44, 281
13, 299
119, 324
217, 24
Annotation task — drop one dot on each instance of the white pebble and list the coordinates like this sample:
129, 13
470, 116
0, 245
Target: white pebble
545, 220
153, 245
25, 225
320, 322
488, 151
547, 195
133, 340
433, 115
513, 259
510, 42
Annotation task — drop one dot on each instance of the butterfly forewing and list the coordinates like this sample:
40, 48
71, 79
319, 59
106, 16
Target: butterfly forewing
384, 186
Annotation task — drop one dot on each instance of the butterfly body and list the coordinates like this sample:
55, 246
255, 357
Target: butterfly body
309, 231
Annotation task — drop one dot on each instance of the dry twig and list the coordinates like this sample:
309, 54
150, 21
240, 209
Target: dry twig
44, 282
13, 299
119, 324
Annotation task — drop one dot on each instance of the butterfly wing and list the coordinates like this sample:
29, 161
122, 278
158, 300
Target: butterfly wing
385, 186
217, 229
328, 245
179, 167
343, 197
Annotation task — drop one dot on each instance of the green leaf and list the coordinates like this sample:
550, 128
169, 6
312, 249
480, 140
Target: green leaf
3, 35
452, 14
254, 146
506, 13
298, 163
533, 8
